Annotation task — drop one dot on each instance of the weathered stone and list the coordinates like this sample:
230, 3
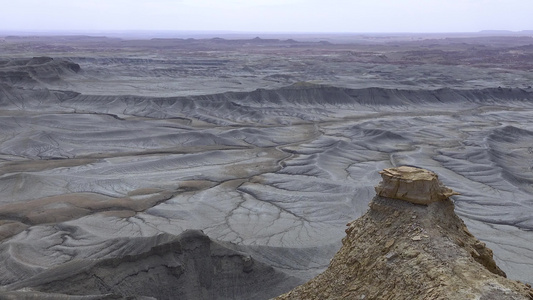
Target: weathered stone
381, 261
412, 184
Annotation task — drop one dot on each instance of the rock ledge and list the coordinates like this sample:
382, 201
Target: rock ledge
412, 184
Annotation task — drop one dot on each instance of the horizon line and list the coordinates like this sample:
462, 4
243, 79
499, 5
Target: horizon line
250, 32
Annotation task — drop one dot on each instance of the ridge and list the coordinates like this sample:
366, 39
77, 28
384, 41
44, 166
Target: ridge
404, 249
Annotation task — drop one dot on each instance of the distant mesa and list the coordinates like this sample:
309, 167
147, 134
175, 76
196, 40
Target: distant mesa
39, 60
30, 72
303, 84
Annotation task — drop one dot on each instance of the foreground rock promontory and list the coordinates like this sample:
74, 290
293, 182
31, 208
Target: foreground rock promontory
403, 250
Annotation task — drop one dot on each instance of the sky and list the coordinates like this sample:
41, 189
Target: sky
358, 16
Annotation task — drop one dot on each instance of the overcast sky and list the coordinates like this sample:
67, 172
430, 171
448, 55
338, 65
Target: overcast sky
268, 15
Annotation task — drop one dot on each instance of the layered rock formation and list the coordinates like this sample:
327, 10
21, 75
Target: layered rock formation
414, 185
403, 250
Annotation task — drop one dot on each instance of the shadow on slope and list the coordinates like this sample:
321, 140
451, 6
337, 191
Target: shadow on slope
188, 266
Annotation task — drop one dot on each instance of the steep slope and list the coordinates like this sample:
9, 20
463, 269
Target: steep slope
402, 250
188, 266
33, 72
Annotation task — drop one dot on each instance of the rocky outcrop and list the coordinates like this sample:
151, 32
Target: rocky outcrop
403, 250
412, 184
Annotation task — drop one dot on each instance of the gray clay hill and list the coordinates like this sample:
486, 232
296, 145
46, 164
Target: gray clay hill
218, 168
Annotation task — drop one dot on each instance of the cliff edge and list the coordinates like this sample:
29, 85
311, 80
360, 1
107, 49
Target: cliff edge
411, 245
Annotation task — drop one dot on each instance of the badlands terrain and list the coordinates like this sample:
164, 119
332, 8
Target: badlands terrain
228, 167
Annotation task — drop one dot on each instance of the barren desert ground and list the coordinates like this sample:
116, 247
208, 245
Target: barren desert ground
116, 154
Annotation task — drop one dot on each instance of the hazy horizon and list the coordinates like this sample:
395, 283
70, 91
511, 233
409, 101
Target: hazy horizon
334, 37
272, 16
